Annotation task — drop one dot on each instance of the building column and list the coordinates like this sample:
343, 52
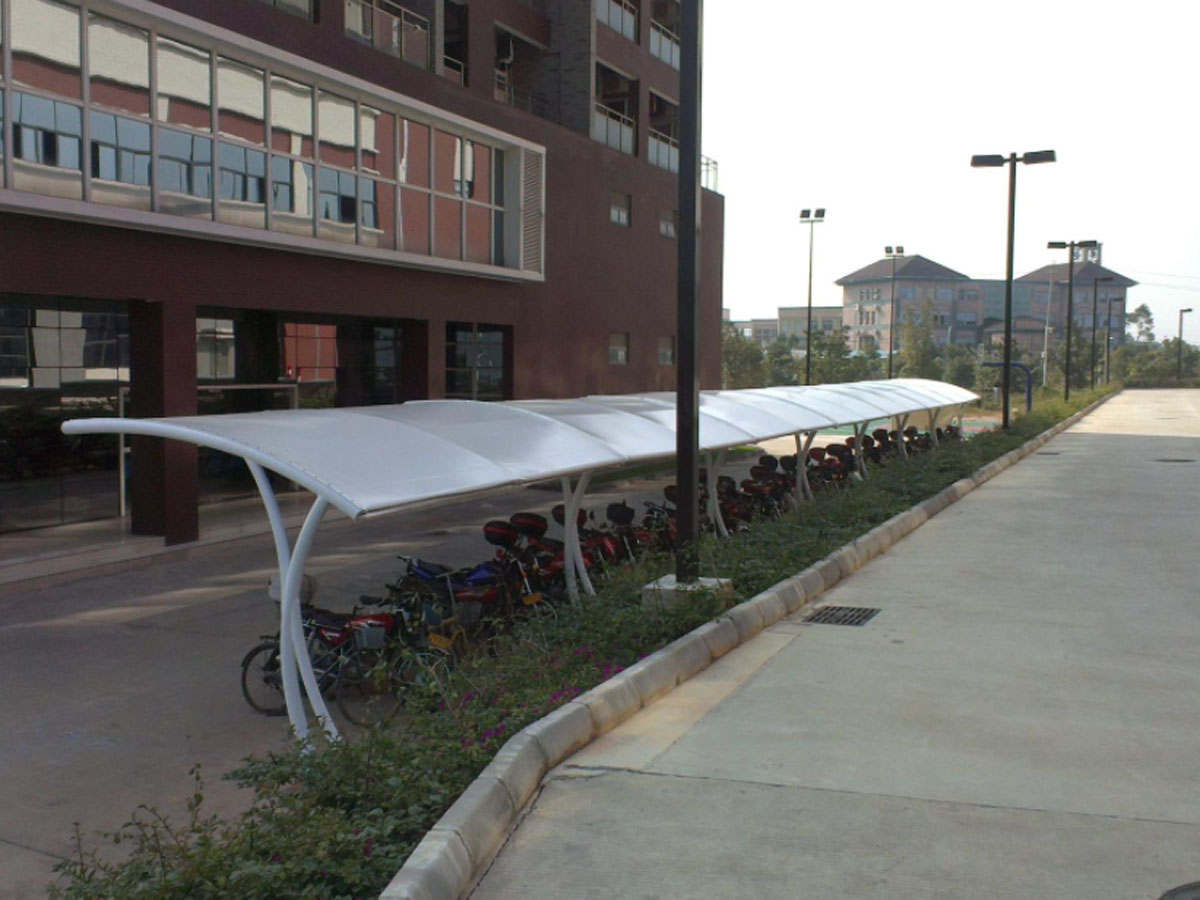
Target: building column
354, 358
415, 372
164, 488
435, 360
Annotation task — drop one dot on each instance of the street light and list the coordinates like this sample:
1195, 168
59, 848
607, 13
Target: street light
1179, 349
1108, 339
810, 218
1069, 246
996, 161
1095, 299
893, 256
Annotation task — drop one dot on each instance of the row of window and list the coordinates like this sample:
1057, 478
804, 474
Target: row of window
620, 212
618, 349
220, 139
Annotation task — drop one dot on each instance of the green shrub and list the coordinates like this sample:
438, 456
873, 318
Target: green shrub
339, 819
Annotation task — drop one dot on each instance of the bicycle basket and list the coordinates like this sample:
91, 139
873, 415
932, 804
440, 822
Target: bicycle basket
370, 636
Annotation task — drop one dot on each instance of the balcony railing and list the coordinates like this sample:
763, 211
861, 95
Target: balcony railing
664, 44
663, 151
454, 70
619, 16
390, 28
613, 128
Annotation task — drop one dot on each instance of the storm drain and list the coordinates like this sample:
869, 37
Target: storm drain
1171, 459
1049, 453
842, 615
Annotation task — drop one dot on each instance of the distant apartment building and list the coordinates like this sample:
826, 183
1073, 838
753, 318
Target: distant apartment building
793, 322
764, 331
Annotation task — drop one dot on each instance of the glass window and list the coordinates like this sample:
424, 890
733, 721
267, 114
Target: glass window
335, 120
120, 160
666, 351
337, 205
47, 146
447, 163
291, 117
476, 357
184, 174
215, 350
498, 177
241, 182
377, 214
414, 153
414, 221
45, 46
479, 235
291, 196
667, 226
618, 349
240, 96
185, 85
618, 209
497, 238
480, 183
447, 217
119, 65
377, 135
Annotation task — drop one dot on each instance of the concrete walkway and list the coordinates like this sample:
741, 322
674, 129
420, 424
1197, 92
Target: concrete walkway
1019, 720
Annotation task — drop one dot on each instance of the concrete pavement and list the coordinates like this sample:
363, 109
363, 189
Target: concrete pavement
1019, 720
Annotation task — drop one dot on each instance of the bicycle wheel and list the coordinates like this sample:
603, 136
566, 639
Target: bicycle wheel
369, 689
261, 681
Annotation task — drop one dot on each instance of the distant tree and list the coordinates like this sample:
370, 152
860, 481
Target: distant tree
782, 365
1142, 322
833, 362
959, 365
1147, 364
918, 352
742, 364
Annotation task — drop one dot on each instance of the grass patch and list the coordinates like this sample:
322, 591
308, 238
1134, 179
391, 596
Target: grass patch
340, 820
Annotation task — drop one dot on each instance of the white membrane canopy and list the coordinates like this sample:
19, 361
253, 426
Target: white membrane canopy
374, 459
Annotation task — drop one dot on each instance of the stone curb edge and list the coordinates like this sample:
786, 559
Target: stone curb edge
445, 865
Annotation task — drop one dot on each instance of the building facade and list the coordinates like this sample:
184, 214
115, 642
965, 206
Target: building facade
793, 322
246, 204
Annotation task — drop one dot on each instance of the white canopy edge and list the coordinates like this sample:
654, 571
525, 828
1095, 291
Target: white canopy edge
378, 459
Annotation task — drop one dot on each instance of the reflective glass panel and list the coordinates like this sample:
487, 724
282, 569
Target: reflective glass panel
447, 162
479, 235
291, 196
185, 180
414, 153
335, 119
447, 217
240, 97
45, 46
185, 85
414, 221
119, 65
291, 117
241, 183
47, 146
119, 160
377, 214
478, 180
337, 205
377, 135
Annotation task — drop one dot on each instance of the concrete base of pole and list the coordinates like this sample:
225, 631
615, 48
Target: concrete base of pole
666, 592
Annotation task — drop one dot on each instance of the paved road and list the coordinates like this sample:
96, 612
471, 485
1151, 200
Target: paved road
1019, 720
114, 686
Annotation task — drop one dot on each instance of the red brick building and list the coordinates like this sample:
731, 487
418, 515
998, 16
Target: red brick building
219, 205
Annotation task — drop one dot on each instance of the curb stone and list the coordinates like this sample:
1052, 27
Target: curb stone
457, 850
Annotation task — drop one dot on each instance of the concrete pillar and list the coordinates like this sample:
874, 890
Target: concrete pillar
163, 383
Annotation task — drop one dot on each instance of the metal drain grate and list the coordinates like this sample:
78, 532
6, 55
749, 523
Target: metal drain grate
1170, 459
1048, 453
841, 615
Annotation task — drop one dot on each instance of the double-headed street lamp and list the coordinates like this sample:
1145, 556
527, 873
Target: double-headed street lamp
1179, 348
810, 218
1095, 300
1069, 246
893, 254
996, 161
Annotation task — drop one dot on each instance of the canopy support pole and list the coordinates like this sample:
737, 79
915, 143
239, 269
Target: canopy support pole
860, 460
714, 502
573, 565
802, 448
294, 662
933, 420
901, 424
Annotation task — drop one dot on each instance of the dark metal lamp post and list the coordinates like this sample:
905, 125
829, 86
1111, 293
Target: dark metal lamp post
1179, 349
996, 161
1069, 246
810, 218
893, 256
1095, 301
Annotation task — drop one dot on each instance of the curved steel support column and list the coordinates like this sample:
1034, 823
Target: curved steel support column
714, 502
291, 626
568, 544
933, 420
576, 502
903, 423
802, 448
859, 459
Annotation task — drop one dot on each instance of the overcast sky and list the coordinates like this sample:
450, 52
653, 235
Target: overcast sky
873, 110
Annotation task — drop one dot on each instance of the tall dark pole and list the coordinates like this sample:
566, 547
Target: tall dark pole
1108, 339
1179, 348
892, 317
687, 426
1095, 311
808, 337
1070, 315
1006, 372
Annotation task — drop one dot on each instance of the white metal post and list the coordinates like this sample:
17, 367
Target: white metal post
802, 448
933, 420
290, 625
714, 502
902, 424
576, 502
859, 430
568, 544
